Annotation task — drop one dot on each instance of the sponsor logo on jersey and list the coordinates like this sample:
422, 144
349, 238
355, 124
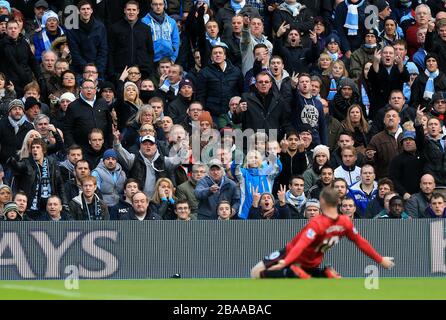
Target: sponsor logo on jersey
311, 234
335, 228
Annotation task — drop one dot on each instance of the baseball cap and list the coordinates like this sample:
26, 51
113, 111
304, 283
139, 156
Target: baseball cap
215, 163
408, 135
31, 102
148, 138
41, 3
110, 153
16, 103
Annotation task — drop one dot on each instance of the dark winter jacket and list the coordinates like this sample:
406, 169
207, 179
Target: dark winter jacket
382, 83
350, 42
279, 213
81, 118
386, 147
118, 211
216, 87
434, 43
17, 62
10, 141
303, 21
151, 215
25, 178
291, 166
177, 108
296, 59
418, 86
339, 105
129, 46
225, 14
405, 171
434, 155
406, 114
64, 216
165, 209
263, 113
79, 212
88, 44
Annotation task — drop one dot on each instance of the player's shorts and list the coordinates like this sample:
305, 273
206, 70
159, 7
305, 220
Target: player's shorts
288, 272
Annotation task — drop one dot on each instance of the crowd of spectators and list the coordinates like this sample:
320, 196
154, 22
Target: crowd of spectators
217, 109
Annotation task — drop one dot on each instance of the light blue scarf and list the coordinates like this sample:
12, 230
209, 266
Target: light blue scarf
430, 89
334, 56
294, 9
46, 40
237, 6
352, 18
298, 201
212, 41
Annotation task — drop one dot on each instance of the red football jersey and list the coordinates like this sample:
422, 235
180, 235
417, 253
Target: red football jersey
320, 234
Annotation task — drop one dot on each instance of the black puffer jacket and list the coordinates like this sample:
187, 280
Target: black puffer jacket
296, 59
18, 63
339, 105
216, 87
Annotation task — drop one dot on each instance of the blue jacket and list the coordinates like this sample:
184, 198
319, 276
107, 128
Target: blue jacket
251, 178
360, 197
208, 201
310, 111
165, 36
39, 45
89, 47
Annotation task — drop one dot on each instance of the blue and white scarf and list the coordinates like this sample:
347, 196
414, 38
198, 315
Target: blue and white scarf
294, 9
298, 201
211, 40
334, 56
237, 6
429, 89
46, 40
352, 18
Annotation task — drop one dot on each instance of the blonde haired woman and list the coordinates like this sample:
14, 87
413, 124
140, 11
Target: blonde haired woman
26, 145
330, 81
163, 200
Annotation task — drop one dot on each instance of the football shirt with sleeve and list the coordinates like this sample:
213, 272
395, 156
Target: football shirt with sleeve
321, 233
